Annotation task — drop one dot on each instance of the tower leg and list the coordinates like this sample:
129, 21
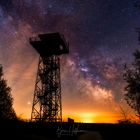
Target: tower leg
47, 95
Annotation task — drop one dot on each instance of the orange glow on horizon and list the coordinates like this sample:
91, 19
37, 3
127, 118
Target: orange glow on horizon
87, 117
84, 117
90, 117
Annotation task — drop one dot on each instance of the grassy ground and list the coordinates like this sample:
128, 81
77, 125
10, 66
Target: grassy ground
18, 130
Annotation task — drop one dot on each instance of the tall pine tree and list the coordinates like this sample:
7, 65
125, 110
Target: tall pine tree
132, 78
6, 100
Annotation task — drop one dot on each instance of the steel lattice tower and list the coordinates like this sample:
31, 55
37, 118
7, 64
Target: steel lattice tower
47, 95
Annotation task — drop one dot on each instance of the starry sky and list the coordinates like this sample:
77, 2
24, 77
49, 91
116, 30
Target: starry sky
102, 37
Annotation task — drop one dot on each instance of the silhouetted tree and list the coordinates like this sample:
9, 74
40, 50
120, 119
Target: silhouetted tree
6, 100
132, 78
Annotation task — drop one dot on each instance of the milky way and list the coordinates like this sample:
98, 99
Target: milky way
101, 35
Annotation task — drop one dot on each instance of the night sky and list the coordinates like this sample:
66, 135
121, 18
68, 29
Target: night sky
102, 37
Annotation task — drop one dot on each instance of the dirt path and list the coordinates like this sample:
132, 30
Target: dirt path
90, 135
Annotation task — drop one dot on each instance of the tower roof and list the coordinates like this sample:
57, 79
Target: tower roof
50, 44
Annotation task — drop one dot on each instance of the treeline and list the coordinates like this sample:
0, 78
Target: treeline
7, 111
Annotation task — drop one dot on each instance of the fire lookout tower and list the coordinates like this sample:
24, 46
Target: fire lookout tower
47, 95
